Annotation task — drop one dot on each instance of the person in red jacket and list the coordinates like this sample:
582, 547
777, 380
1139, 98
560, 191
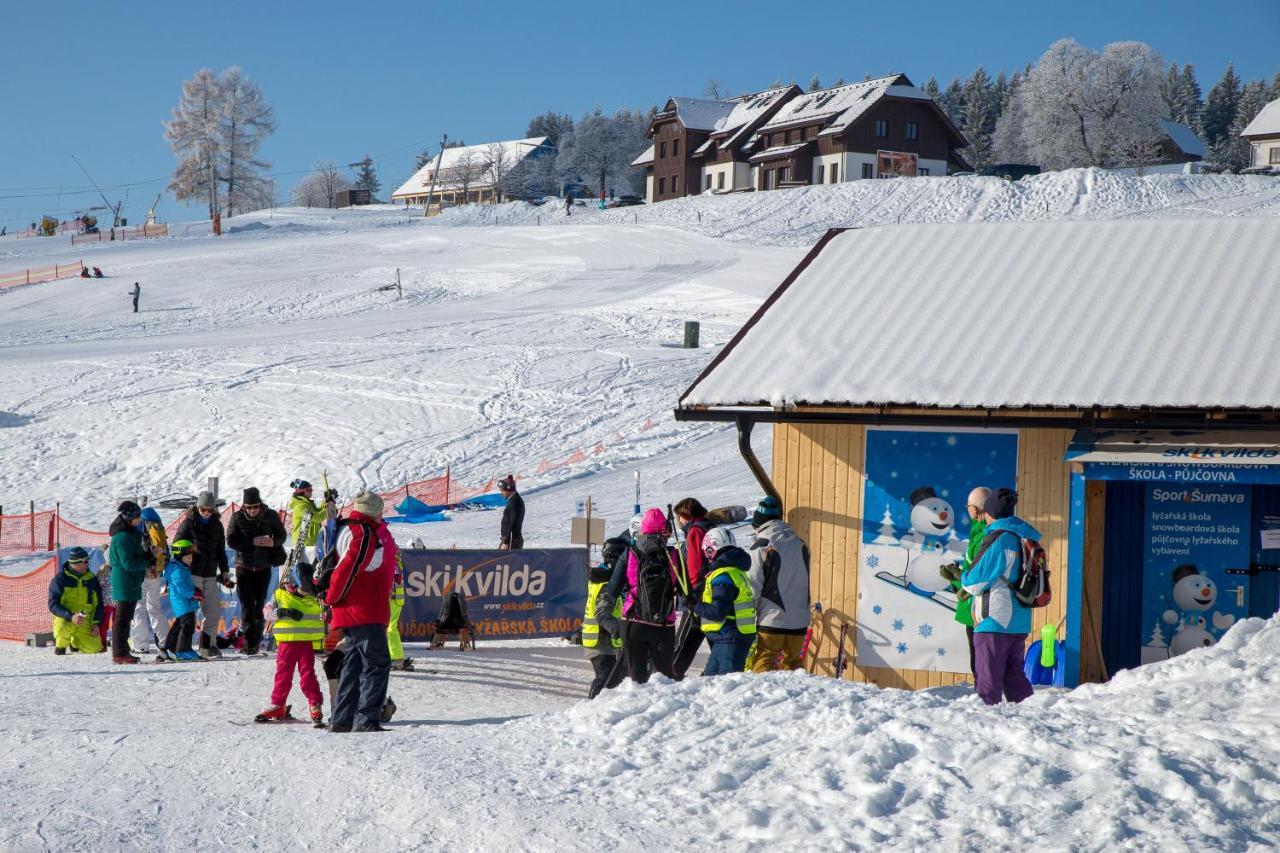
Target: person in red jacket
692, 517
359, 594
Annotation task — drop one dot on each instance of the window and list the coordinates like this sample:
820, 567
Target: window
720, 181
819, 173
835, 172
882, 127
662, 186
675, 148
662, 149
913, 130
787, 138
1275, 156
708, 186
784, 174
868, 170
924, 173
675, 183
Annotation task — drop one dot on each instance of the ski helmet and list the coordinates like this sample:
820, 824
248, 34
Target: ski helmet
182, 546
149, 514
77, 555
299, 484
717, 538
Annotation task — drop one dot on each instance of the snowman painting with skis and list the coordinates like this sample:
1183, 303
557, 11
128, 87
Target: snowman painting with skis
914, 478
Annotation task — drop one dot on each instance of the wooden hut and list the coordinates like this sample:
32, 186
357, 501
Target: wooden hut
1116, 373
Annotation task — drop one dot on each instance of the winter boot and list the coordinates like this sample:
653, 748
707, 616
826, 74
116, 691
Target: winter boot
274, 713
188, 655
59, 651
317, 716
370, 727
125, 659
388, 710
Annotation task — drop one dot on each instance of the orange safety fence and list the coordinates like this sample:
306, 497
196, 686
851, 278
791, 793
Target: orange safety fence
107, 235
34, 276
24, 602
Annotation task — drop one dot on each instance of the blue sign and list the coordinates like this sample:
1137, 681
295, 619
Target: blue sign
510, 594
1192, 535
1156, 472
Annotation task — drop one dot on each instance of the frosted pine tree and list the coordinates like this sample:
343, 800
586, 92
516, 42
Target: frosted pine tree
367, 177
192, 134
245, 121
981, 105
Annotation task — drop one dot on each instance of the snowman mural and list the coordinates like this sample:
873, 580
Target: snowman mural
1194, 593
926, 547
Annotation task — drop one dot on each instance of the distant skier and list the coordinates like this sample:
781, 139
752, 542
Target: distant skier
97, 273
84, 272
76, 602
568, 204
136, 292
182, 601
512, 515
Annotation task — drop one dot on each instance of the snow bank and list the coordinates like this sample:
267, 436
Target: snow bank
797, 217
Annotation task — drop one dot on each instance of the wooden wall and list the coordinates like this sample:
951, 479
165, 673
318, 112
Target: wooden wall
818, 471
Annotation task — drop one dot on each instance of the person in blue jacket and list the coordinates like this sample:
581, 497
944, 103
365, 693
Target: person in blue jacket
182, 601
1000, 622
726, 605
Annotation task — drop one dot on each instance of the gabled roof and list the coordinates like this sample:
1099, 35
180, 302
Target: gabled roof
1183, 137
748, 110
1265, 123
698, 113
839, 106
1143, 312
645, 159
514, 150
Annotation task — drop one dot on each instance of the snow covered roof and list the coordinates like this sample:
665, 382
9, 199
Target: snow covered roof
747, 110
644, 159
515, 150
1265, 123
779, 151
1183, 137
701, 113
842, 104
1150, 312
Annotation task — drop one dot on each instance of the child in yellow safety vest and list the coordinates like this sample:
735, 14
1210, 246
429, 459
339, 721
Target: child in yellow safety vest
299, 632
394, 645
726, 605
601, 628
75, 600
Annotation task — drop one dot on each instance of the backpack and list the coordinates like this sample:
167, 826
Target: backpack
1032, 586
654, 595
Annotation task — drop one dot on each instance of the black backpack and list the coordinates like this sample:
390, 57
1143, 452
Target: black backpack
654, 596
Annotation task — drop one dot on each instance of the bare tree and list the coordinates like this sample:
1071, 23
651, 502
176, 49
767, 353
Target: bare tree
498, 162
192, 134
321, 187
465, 171
1142, 153
246, 120
715, 89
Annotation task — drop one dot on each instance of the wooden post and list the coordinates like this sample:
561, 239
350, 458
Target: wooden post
446, 486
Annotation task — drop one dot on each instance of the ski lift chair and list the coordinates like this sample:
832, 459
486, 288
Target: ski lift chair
453, 620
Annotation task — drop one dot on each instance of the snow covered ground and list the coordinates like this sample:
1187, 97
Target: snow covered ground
493, 750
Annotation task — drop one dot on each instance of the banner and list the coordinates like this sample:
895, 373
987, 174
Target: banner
896, 164
913, 521
1191, 536
510, 594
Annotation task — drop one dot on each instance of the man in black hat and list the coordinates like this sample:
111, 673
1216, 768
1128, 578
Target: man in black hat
512, 515
257, 536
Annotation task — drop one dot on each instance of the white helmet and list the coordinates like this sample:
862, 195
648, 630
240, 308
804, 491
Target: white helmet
717, 539
635, 524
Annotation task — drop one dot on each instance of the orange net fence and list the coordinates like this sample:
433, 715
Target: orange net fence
36, 275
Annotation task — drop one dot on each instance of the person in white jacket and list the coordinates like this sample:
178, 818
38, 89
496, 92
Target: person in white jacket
779, 576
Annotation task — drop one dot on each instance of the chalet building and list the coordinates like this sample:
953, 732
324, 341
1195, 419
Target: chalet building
784, 137
466, 175
1263, 134
881, 128
697, 143
1140, 431
1179, 144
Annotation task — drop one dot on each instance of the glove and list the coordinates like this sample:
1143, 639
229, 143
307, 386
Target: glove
963, 595
288, 613
330, 494
950, 571
199, 595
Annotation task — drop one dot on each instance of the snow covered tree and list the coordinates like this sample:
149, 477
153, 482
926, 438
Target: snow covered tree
1220, 108
1009, 141
367, 177
1234, 152
601, 148
952, 101
1169, 90
815, 84
931, 89
243, 123
498, 163
1085, 108
192, 134
550, 124
464, 173
839, 82
320, 188
980, 110
1189, 101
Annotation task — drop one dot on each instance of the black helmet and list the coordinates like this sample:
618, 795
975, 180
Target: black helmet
299, 484
77, 555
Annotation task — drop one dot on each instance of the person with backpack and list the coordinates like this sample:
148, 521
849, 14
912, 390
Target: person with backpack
649, 607
202, 525
601, 629
257, 535
691, 515
779, 575
725, 606
149, 623
952, 571
1010, 548
359, 594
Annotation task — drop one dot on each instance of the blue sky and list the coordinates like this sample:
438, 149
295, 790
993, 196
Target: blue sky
387, 78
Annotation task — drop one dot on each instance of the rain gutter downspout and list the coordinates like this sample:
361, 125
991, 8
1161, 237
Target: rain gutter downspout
744, 424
